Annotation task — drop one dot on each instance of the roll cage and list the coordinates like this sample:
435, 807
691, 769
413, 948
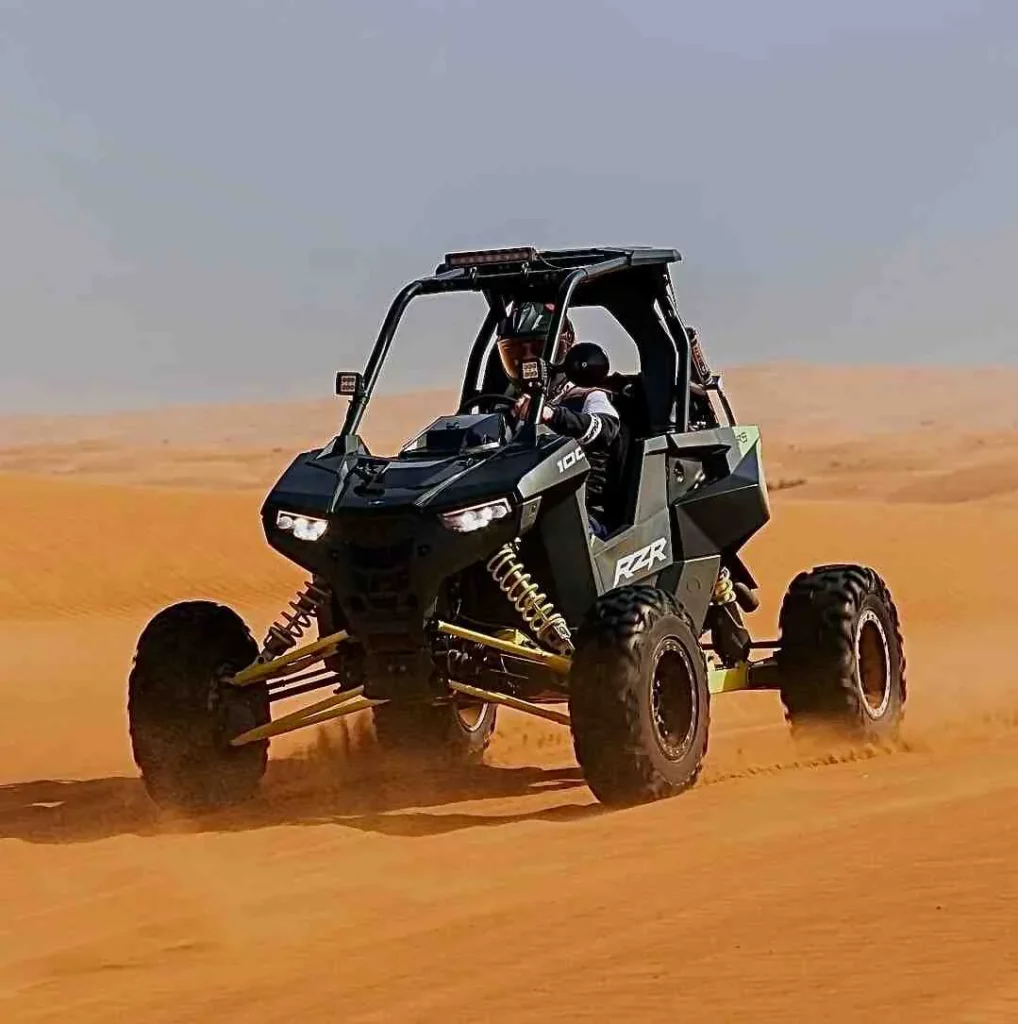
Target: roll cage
632, 284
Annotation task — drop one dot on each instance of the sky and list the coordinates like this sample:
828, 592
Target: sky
211, 200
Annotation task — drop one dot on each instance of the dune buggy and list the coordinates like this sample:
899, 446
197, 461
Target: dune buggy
459, 575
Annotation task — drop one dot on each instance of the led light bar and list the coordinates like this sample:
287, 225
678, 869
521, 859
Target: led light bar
486, 257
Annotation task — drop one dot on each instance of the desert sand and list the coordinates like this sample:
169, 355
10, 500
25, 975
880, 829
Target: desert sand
793, 883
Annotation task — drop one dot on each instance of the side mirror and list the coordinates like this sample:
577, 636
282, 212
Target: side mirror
586, 364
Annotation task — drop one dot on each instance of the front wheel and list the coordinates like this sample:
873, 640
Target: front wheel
639, 701
182, 712
841, 658
456, 732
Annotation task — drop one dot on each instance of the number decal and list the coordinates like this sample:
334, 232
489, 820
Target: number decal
569, 459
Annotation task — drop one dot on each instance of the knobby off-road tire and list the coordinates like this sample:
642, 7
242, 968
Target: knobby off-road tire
182, 715
639, 701
445, 733
841, 658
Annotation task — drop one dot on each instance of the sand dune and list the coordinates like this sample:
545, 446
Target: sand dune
818, 422
795, 883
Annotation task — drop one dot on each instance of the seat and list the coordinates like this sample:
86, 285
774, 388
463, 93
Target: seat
630, 398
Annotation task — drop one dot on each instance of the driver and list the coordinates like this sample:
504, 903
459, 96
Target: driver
586, 414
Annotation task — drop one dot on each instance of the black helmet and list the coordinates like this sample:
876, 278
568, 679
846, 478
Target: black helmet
522, 334
587, 365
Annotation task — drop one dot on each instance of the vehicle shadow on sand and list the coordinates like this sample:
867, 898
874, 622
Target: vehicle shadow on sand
385, 799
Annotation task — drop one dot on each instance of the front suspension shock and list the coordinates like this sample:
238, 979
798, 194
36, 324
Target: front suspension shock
289, 628
526, 597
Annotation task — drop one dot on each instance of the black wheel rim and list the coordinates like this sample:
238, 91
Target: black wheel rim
873, 664
674, 705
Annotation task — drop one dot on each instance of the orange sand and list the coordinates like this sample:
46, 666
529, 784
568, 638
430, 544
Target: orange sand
792, 884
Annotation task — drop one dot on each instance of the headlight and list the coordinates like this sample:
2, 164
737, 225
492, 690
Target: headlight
466, 520
302, 527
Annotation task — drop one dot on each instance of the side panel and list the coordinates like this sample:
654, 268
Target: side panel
564, 462
652, 493
730, 503
582, 567
563, 537
639, 553
643, 550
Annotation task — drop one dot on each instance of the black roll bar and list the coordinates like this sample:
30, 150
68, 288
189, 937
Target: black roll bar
680, 339
462, 279
552, 342
359, 402
496, 310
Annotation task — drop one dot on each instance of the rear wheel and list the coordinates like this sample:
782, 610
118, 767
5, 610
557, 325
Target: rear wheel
182, 713
841, 657
639, 701
457, 732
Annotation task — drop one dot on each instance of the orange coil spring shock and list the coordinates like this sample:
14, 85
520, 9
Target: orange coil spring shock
290, 627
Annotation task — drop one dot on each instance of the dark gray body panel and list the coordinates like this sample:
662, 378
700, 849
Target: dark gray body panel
697, 497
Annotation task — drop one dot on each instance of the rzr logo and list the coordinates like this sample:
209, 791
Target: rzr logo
644, 559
